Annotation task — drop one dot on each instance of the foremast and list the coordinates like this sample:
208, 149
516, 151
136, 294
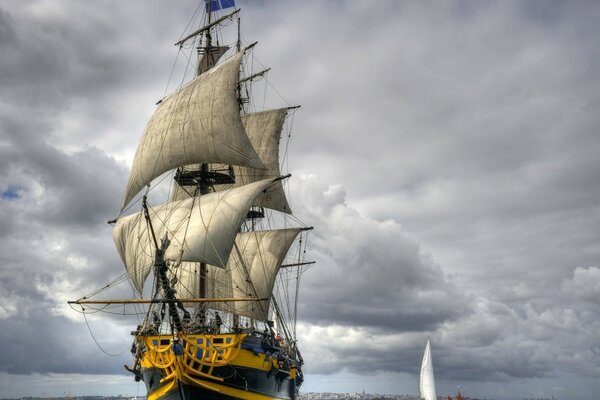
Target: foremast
161, 269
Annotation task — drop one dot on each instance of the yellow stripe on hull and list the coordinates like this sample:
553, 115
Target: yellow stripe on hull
163, 390
196, 359
214, 387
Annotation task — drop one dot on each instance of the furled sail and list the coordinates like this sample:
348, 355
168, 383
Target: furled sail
199, 123
201, 229
427, 380
250, 272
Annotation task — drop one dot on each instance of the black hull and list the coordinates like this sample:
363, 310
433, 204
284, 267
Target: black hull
193, 393
254, 383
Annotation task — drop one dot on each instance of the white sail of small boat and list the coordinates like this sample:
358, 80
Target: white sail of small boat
427, 380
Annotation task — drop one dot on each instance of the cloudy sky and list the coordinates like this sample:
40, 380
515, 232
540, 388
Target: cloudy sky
447, 153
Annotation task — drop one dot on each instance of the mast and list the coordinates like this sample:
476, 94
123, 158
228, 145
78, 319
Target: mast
203, 270
205, 27
207, 47
161, 269
201, 178
239, 39
203, 184
207, 178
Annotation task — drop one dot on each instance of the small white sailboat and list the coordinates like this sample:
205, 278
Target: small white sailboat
427, 380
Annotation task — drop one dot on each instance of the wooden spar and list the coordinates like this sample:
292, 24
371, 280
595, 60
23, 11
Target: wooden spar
250, 46
249, 78
158, 301
282, 177
308, 228
204, 28
298, 264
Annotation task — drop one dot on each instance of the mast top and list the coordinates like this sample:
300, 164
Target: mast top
206, 27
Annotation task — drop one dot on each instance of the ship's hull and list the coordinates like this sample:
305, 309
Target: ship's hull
217, 367
241, 384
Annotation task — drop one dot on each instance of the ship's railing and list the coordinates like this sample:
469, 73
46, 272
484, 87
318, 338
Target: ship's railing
159, 352
191, 356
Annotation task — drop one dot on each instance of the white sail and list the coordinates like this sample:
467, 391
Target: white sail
199, 123
218, 283
254, 265
264, 131
210, 58
180, 193
200, 229
427, 379
250, 272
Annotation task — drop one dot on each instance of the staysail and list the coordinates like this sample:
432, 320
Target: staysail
427, 380
199, 123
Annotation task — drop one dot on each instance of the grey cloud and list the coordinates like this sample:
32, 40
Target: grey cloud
369, 273
7, 32
457, 152
81, 188
50, 228
47, 343
584, 284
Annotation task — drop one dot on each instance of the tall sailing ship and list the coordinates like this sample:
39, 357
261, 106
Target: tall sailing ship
207, 264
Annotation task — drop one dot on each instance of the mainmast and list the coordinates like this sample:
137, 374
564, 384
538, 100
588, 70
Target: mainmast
201, 177
203, 184
160, 266
208, 42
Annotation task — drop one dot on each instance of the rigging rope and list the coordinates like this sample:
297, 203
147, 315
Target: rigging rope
96, 341
281, 284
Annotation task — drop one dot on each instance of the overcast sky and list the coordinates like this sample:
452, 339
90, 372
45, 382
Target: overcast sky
447, 153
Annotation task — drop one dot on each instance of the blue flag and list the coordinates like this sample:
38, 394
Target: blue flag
214, 5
